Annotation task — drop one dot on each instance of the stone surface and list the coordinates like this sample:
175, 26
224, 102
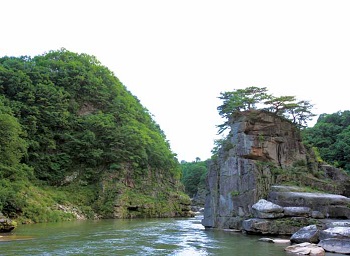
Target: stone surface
317, 215
336, 232
296, 211
283, 226
274, 240
265, 206
339, 177
235, 181
305, 249
338, 223
306, 234
245, 169
336, 245
266, 210
330, 205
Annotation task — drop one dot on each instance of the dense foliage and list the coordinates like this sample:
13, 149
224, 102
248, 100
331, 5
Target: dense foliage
193, 176
331, 136
65, 119
299, 112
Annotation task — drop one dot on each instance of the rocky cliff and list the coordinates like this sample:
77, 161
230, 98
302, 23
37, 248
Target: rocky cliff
261, 149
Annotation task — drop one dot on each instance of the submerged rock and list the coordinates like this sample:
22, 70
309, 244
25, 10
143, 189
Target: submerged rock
275, 240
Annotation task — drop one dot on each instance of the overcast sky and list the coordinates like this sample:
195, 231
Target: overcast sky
177, 56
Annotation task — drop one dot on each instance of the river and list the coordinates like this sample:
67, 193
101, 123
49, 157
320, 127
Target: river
133, 237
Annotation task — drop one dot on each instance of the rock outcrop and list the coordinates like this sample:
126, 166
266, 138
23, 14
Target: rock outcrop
261, 150
329, 205
243, 171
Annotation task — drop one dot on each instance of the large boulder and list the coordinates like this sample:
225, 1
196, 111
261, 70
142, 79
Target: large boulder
308, 234
336, 245
336, 232
266, 210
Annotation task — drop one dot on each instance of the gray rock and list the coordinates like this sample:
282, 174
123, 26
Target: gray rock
274, 240
265, 206
331, 205
336, 245
263, 215
297, 211
336, 232
256, 226
266, 210
283, 226
265, 239
235, 181
244, 170
308, 234
317, 215
333, 224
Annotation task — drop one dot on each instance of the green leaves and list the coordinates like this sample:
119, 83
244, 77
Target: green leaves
193, 176
331, 136
258, 98
72, 121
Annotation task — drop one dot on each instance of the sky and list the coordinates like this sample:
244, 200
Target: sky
177, 56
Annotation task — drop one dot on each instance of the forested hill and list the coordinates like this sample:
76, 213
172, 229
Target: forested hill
75, 142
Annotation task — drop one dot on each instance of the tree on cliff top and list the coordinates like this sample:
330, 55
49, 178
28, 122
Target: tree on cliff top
299, 112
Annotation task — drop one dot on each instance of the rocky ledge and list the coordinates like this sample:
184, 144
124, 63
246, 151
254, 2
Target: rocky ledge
312, 233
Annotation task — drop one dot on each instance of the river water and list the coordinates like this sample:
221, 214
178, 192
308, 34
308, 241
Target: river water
133, 237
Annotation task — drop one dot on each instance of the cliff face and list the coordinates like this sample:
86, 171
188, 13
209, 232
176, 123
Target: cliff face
260, 150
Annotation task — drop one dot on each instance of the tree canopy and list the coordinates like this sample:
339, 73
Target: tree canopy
299, 112
63, 114
194, 175
331, 136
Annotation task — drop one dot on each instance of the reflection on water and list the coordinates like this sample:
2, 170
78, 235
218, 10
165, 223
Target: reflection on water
134, 237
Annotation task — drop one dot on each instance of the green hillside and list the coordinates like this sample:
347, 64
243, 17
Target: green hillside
75, 142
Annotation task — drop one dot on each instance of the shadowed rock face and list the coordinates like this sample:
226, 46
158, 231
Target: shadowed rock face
240, 176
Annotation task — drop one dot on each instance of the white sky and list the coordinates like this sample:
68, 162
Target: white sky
177, 56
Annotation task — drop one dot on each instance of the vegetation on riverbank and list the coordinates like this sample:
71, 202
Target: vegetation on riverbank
75, 141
